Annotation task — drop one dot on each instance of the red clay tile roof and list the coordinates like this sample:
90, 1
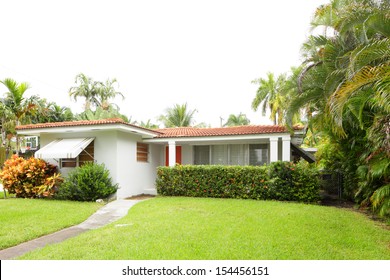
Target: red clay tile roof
221, 131
80, 123
173, 132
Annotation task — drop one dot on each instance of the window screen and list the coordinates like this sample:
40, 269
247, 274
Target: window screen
202, 155
258, 154
219, 155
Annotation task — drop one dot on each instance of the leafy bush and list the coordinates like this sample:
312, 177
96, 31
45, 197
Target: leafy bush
29, 178
280, 181
294, 182
87, 183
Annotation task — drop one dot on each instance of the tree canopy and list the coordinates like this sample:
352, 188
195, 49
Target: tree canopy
178, 116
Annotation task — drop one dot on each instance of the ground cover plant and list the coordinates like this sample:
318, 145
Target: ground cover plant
207, 228
26, 219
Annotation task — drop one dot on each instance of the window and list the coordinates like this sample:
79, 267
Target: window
68, 162
219, 155
202, 155
31, 142
86, 155
258, 154
235, 154
142, 152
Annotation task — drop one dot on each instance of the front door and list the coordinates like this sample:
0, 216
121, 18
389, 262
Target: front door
178, 155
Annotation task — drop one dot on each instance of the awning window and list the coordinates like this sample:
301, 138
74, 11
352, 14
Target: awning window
63, 148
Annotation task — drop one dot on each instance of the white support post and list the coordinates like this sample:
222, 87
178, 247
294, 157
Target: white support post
286, 150
273, 149
172, 153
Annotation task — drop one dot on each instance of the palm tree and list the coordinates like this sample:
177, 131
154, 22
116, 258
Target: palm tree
95, 93
107, 91
345, 84
270, 94
236, 120
59, 113
16, 103
5, 125
86, 88
178, 116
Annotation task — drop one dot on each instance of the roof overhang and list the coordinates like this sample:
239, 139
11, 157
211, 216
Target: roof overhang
207, 140
63, 148
145, 133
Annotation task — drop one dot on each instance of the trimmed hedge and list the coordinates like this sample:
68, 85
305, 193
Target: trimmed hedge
278, 181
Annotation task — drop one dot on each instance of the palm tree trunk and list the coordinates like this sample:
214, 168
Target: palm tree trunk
17, 138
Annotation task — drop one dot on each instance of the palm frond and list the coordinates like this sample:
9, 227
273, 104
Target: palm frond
368, 75
381, 200
375, 51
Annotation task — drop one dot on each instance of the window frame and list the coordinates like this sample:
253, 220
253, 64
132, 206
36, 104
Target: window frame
243, 151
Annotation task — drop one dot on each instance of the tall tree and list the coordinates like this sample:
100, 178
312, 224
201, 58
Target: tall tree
106, 92
270, 94
95, 93
236, 120
345, 81
16, 103
50, 112
178, 116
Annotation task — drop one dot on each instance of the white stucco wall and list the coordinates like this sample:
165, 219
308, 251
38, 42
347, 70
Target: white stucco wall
135, 177
118, 151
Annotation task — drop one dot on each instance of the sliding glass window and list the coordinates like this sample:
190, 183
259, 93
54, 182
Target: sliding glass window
202, 155
258, 154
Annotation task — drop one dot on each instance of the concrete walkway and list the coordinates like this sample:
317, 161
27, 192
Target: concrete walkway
107, 214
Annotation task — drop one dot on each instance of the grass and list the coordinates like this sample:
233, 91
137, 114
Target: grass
209, 229
26, 219
6, 193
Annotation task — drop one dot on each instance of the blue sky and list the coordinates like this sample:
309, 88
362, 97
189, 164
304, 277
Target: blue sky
203, 52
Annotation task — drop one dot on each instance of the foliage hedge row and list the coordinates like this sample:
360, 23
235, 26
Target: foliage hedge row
278, 181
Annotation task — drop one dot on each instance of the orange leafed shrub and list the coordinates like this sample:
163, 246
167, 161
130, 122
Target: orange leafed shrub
29, 178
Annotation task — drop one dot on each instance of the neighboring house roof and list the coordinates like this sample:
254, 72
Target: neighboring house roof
222, 131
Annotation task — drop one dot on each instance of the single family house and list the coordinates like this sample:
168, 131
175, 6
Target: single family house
132, 153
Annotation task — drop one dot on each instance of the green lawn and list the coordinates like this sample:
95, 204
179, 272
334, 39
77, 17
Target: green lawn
197, 228
25, 219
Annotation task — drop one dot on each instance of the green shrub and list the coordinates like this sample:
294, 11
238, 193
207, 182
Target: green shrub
87, 183
29, 178
294, 182
280, 181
